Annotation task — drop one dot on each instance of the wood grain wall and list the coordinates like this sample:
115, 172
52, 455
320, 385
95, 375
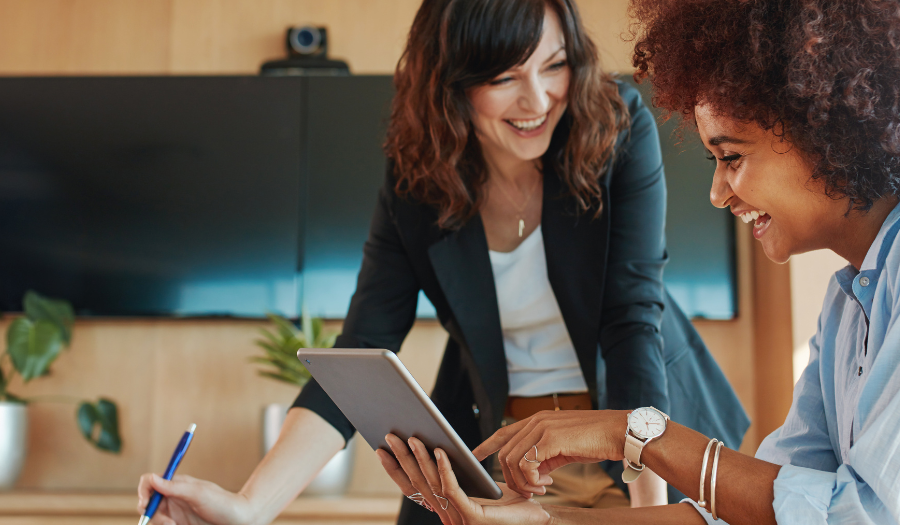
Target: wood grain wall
166, 374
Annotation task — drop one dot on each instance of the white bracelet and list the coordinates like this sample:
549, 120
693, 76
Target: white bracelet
712, 487
701, 501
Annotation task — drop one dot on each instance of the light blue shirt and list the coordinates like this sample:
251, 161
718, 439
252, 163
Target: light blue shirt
840, 443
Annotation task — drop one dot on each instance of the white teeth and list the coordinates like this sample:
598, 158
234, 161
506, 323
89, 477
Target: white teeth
528, 125
751, 216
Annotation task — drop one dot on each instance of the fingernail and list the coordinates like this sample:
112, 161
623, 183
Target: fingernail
439, 454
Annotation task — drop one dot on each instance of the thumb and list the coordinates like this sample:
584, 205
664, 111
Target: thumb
177, 488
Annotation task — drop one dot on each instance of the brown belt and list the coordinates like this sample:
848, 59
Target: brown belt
523, 407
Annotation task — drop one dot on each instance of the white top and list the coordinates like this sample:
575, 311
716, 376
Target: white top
540, 356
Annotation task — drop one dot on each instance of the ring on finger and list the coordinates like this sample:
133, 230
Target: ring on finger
419, 499
535, 456
442, 500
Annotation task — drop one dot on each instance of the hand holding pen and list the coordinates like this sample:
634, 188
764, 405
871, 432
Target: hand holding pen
171, 500
177, 456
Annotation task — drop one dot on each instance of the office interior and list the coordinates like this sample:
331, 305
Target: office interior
165, 373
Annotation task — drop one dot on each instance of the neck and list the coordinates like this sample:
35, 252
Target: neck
509, 170
854, 242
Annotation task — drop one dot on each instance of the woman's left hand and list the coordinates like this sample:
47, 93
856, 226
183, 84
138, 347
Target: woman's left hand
417, 473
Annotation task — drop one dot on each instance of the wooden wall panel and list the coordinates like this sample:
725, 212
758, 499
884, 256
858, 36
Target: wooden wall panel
50, 37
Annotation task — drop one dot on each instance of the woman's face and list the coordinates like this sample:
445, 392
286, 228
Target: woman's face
767, 184
515, 114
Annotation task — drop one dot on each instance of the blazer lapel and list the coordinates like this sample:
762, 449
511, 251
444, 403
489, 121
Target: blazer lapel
575, 246
463, 269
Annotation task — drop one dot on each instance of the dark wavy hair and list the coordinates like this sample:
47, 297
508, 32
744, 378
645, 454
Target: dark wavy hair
455, 45
823, 74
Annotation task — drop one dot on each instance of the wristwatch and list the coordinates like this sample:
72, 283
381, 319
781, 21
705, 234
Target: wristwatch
644, 425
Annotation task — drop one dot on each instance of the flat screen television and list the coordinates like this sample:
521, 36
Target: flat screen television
234, 196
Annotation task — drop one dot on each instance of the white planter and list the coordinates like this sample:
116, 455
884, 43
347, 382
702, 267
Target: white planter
13, 442
334, 478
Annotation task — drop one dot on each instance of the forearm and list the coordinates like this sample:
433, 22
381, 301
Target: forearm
744, 485
305, 445
677, 514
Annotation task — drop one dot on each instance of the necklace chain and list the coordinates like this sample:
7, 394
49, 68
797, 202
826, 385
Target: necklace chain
520, 209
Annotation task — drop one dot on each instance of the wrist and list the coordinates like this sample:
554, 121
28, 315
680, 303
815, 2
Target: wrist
247, 513
619, 429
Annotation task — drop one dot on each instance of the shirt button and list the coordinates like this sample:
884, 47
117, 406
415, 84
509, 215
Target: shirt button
864, 281
475, 410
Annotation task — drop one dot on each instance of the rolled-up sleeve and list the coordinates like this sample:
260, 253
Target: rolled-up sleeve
865, 489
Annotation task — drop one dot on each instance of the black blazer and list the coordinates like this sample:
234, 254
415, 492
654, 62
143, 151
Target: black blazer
634, 345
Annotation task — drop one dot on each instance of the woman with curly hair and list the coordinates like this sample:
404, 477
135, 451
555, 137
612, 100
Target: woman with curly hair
798, 104
525, 196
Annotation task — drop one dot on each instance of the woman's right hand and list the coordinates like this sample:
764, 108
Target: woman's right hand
190, 501
552, 439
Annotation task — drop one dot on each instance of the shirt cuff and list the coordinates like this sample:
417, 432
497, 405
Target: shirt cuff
703, 512
803, 495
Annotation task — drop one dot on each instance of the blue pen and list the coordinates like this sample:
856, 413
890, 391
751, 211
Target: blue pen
170, 471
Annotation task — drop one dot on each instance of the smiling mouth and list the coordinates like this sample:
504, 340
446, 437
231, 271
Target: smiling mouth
528, 125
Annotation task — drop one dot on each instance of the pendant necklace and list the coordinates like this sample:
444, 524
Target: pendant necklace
520, 215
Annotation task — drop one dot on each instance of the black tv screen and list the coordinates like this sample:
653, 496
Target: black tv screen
150, 196
236, 196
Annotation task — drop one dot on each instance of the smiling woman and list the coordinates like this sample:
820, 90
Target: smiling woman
492, 55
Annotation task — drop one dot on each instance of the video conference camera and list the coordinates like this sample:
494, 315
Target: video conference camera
307, 48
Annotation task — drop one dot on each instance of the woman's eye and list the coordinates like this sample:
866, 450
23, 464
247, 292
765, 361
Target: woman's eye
559, 65
729, 159
500, 81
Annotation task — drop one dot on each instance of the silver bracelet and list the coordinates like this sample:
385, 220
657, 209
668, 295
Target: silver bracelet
701, 501
712, 486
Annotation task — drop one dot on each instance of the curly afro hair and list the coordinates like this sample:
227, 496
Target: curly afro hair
823, 74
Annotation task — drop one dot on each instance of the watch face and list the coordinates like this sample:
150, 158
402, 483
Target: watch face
646, 422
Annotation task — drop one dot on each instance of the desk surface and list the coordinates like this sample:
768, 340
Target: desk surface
73, 508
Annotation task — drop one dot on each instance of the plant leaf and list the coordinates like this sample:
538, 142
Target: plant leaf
33, 346
105, 415
57, 311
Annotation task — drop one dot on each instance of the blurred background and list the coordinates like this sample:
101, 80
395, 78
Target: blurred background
78, 75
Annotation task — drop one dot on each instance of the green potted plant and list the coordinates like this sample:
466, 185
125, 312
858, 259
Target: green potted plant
279, 346
33, 342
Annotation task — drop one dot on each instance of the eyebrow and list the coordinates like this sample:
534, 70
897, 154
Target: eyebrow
725, 139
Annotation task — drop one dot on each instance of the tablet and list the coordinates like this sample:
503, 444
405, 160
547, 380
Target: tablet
379, 396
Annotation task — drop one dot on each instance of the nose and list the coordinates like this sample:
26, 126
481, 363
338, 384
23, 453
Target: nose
534, 97
720, 194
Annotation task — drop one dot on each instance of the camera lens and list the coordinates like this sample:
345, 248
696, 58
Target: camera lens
306, 37
305, 40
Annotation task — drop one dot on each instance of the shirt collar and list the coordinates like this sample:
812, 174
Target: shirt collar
861, 285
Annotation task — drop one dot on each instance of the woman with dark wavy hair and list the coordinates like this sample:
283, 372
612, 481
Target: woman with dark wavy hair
798, 104
525, 196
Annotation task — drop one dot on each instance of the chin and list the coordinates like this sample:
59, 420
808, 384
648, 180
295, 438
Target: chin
534, 152
776, 254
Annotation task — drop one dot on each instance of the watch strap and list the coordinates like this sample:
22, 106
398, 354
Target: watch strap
633, 449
